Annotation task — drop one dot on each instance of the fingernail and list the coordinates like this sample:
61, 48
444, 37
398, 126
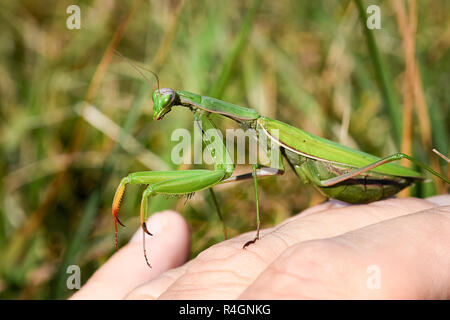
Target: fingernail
442, 200
337, 203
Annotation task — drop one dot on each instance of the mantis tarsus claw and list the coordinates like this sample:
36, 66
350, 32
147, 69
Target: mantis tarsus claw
144, 227
120, 222
250, 242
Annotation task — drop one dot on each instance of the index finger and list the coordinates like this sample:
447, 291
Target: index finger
223, 271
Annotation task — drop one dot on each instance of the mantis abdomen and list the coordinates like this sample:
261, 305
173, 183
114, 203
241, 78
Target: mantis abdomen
363, 188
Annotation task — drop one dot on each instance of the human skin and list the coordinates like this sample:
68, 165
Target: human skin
390, 249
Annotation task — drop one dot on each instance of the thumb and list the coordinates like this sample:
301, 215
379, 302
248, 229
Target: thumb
168, 248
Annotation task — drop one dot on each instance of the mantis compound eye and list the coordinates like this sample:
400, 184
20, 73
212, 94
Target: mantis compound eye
163, 100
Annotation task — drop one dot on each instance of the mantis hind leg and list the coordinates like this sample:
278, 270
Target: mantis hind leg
394, 157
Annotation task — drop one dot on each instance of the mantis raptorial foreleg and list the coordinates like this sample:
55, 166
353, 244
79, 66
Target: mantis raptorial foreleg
165, 182
178, 182
394, 157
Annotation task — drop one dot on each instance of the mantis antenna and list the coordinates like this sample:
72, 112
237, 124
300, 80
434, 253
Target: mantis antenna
135, 67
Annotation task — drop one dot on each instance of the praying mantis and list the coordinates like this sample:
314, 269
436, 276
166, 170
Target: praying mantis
337, 171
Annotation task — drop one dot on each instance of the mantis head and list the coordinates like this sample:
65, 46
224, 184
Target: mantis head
163, 100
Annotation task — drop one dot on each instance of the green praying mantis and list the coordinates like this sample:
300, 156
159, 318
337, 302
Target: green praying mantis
337, 171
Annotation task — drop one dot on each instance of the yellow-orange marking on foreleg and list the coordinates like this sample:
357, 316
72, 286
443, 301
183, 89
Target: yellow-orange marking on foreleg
115, 210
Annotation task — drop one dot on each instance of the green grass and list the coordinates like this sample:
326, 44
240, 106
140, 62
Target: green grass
311, 64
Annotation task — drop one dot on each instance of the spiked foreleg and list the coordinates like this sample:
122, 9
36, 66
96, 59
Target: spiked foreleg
150, 178
183, 185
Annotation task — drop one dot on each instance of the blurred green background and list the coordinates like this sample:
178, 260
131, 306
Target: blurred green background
75, 118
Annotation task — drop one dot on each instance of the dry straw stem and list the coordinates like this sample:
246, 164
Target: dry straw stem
166, 44
407, 27
413, 95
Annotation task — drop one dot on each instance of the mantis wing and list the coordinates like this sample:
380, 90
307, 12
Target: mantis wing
315, 147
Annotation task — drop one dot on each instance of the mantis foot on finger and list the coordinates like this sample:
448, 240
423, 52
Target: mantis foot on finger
250, 242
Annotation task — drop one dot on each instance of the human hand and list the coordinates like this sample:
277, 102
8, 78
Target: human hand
391, 249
